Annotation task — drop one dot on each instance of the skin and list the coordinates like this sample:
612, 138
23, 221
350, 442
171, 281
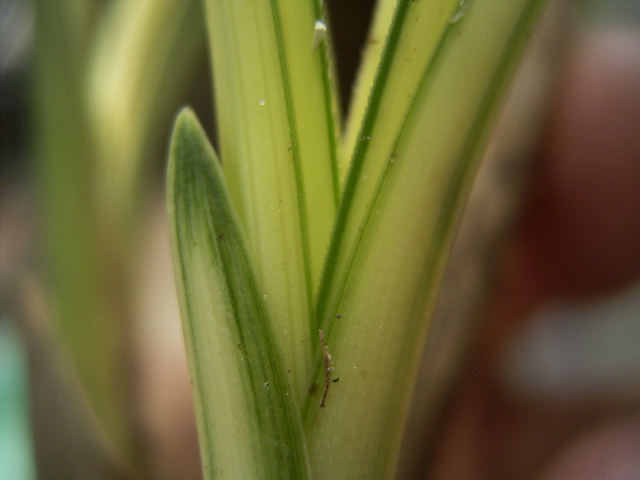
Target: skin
578, 239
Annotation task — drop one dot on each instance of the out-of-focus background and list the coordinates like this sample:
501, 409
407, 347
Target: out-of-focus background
575, 361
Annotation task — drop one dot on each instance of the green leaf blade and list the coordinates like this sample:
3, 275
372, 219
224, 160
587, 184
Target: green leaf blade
249, 422
142, 54
277, 130
402, 33
383, 99
379, 301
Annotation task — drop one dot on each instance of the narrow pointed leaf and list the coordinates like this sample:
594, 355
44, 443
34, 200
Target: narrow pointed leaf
379, 306
141, 57
248, 419
108, 76
413, 39
76, 283
392, 61
274, 106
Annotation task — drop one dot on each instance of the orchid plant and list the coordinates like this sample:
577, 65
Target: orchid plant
308, 246
308, 257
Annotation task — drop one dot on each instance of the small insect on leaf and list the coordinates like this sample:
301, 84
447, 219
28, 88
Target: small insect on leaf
328, 367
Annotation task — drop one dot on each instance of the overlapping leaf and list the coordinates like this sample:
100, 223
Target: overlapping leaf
249, 422
437, 87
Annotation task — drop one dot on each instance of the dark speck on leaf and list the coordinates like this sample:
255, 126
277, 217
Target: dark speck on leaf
313, 389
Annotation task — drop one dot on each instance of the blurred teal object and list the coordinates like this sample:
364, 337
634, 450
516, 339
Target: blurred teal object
16, 452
